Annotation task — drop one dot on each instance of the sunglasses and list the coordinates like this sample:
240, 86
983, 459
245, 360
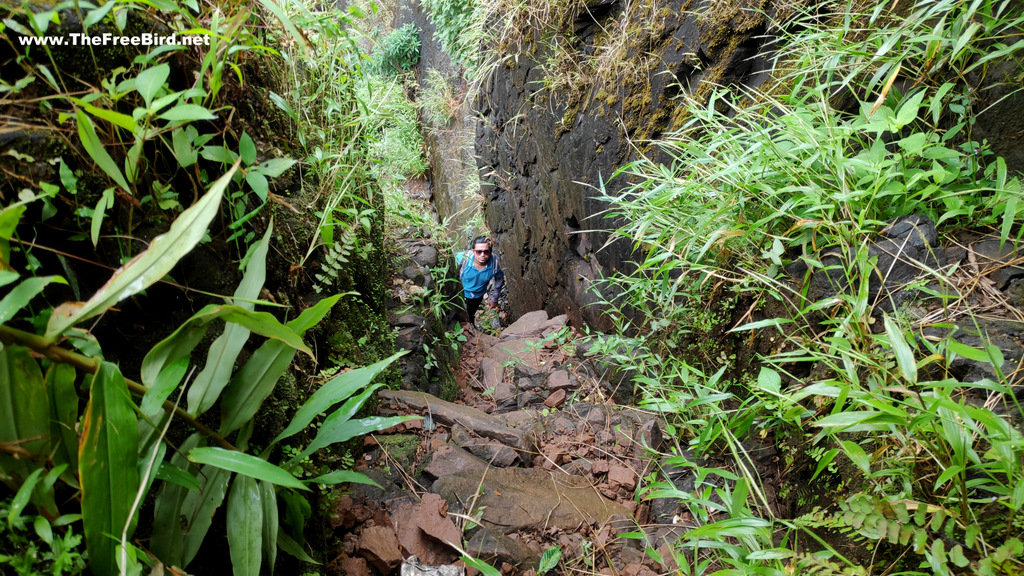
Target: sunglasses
488, 251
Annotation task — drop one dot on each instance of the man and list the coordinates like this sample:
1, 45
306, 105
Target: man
477, 268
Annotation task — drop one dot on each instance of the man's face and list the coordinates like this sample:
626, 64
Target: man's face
482, 253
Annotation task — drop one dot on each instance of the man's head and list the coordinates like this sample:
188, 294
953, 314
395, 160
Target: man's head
482, 250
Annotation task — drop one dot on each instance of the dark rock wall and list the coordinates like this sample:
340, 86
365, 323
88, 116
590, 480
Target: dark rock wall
544, 156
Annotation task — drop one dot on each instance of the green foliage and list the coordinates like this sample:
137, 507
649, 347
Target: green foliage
109, 469
335, 258
145, 151
549, 559
50, 547
928, 531
439, 100
396, 144
457, 27
398, 52
869, 117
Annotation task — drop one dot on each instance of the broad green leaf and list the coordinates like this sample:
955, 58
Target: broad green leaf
24, 413
1009, 216
964, 39
23, 496
858, 456
246, 464
176, 347
22, 294
769, 380
150, 80
220, 359
149, 266
909, 109
245, 526
293, 548
200, 507
335, 430
275, 167
256, 379
967, 351
107, 466
904, 354
218, 154
313, 315
96, 14
60, 384
187, 113
253, 383
333, 391
8, 277
271, 524
9, 218
116, 118
131, 161
183, 340
258, 183
484, 568
167, 541
168, 472
93, 146
341, 476
860, 420
549, 559
767, 323
166, 382
183, 150
106, 200
247, 149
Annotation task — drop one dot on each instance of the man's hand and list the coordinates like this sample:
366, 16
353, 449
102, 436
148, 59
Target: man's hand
493, 305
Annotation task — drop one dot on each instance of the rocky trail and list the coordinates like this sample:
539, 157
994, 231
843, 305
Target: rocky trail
533, 454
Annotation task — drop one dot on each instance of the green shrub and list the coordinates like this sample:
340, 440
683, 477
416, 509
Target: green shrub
396, 145
456, 27
823, 159
398, 52
439, 101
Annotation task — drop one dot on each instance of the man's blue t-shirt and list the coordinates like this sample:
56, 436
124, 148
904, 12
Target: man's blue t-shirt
474, 282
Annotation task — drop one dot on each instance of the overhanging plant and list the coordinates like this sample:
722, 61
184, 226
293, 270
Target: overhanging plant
122, 449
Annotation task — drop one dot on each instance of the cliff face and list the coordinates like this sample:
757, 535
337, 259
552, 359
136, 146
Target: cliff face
559, 117
545, 154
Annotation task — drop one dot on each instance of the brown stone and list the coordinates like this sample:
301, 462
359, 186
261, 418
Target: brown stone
599, 467
494, 547
414, 541
379, 545
432, 518
494, 454
491, 373
622, 475
521, 350
531, 323
449, 414
354, 567
555, 399
514, 499
448, 459
559, 380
